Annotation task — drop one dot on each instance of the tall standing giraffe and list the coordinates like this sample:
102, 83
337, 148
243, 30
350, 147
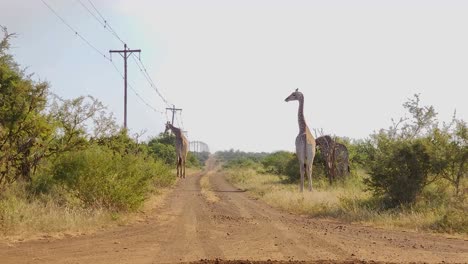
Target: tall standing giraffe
181, 146
305, 142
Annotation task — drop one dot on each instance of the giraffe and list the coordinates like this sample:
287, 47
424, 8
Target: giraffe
305, 142
181, 145
336, 156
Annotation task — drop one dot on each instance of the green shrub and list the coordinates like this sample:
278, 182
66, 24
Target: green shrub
400, 172
241, 162
163, 148
202, 157
454, 220
193, 161
292, 172
277, 162
100, 177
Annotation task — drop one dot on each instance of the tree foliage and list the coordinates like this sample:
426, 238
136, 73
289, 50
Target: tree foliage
413, 152
75, 145
25, 129
163, 147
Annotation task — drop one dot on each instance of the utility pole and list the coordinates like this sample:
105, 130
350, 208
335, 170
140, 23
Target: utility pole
126, 53
174, 110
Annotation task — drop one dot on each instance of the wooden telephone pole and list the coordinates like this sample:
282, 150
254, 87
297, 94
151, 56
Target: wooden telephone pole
174, 110
126, 53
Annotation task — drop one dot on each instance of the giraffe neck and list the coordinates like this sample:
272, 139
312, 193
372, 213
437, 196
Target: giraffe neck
300, 117
176, 131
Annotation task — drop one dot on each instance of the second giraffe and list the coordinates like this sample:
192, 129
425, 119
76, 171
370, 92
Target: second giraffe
181, 146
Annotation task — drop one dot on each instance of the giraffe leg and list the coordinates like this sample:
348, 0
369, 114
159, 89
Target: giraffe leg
183, 167
179, 171
302, 171
309, 174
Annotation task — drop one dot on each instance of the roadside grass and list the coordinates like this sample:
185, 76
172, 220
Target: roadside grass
58, 213
206, 189
23, 218
348, 200
83, 192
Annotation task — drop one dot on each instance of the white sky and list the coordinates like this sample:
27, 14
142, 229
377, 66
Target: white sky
231, 64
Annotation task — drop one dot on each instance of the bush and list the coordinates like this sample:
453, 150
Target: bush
192, 161
400, 171
277, 162
241, 162
201, 156
100, 177
164, 152
292, 172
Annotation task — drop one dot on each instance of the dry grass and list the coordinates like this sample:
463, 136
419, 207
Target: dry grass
25, 219
349, 201
22, 219
206, 189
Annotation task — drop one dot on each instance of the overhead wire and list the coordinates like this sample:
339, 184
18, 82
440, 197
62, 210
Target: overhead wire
98, 51
148, 78
103, 22
92, 13
178, 122
75, 31
181, 120
135, 92
138, 60
106, 24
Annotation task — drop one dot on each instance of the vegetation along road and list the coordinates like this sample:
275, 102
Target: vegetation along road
221, 221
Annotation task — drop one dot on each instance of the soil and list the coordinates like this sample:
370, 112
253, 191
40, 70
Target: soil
236, 229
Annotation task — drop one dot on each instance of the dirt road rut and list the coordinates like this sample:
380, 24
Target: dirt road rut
188, 228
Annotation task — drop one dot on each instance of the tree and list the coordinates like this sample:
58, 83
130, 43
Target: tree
400, 171
73, 118
414, 152
163, 148
25, 129
452, 150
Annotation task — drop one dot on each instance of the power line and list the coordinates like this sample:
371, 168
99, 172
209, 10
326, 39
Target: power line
98, 51
92, 14
181, 120
135, 92
138, 62
106, 24
103, 22
178, 123
75, 31
148, 78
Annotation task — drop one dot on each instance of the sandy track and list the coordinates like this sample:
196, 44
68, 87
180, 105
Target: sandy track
189, 228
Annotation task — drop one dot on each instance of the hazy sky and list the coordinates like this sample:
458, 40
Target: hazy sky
231, 64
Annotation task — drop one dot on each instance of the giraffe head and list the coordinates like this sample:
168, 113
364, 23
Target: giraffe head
295, 96
168, 127
324, 141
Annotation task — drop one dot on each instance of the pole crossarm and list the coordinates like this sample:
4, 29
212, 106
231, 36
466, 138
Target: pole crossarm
174, 110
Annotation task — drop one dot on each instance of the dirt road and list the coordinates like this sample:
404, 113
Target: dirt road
188, 228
